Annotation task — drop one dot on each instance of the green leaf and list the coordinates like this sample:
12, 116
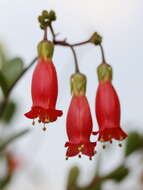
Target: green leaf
11, 70
52, 15
2, 56
134, 143
5, 181
12, 138
118, 174
9, 111
3, 83
73, 177
97, 186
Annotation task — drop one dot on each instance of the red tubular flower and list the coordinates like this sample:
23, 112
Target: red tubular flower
79, 120
44, 87
108, 107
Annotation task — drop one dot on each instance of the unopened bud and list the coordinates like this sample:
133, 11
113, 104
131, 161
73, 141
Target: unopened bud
96, 39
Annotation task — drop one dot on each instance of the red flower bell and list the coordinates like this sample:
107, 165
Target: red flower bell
79, 120
44, 86
108, 107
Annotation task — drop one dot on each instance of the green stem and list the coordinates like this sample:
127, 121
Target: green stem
102, 54
75, 60
45, 33
21, 75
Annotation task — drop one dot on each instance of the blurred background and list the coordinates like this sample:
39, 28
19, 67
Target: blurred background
35, 159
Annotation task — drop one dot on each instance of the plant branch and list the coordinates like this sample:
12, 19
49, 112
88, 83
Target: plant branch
52, 31
75, 60
102, 53
21, 75
5, 101
65, 43
45, 33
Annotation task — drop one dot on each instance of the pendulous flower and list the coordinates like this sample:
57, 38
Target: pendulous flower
44, 88
79, 120
108, 107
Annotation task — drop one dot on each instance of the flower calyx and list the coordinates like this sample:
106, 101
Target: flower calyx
104, 72
45, 49
78, 84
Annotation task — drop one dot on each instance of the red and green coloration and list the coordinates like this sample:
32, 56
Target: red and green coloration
79, 120
44, 86
108, 107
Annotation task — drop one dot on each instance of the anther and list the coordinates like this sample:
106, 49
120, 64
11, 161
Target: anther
33, 122
67, 158
44, 128
90, 158
110, 141
104, 146
120, 145
79, 156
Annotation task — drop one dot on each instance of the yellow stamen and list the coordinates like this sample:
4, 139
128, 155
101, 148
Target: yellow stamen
80, 148
47, 120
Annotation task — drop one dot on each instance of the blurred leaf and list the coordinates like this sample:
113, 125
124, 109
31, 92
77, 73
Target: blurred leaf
3, 83
5, 181
96, 183
98, 166
118, 174
9, 111
2, 56
134, 143
73, 177
12, 69
9, 73
97, 186
10, 139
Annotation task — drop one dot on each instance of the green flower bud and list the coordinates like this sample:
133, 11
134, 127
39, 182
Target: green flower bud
78, 84
96, 39
41, 19
45, 14
42, 26
52, 15
45, 50
104, 72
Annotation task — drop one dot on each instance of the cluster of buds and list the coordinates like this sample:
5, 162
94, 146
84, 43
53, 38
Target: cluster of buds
79, 124
46, 17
